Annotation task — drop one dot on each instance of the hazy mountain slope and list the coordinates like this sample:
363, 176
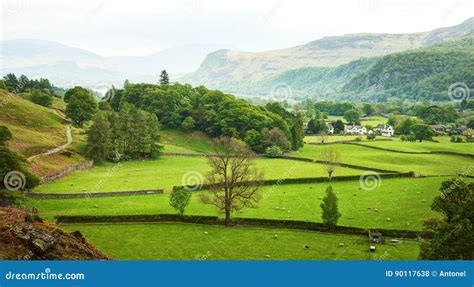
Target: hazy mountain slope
66, 65
227, 69
425, 73
318, 82
27, 52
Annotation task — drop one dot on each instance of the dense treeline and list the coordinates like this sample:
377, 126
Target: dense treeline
130, 133
39, 91
214, 112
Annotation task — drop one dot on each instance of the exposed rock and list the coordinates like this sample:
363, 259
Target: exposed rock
26, 237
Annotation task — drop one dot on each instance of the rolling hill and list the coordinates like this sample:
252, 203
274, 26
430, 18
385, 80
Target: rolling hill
235, 71
37, 129
420, 74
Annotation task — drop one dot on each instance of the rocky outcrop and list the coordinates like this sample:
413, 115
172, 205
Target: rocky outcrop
25, 236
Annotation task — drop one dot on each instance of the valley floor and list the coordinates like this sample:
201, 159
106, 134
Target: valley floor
385, 203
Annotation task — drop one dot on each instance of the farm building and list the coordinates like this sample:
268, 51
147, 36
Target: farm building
385, 130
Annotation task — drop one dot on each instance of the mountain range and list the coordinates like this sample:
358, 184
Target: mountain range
338, 67
239, 72
67, 66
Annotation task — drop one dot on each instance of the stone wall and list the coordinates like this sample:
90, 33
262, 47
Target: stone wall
66, 171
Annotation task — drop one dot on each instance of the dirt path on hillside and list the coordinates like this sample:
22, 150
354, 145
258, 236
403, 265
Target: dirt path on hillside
56, 149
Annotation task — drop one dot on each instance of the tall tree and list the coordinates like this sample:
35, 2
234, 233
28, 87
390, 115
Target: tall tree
330, 211
80, 107
338, 127
331, 157
368, 109
99, 138
276, 137
454, 234
352, 117
164, 78
422, 132
233, 181
11, 82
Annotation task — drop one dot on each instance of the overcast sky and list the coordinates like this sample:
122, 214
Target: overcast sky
139, 27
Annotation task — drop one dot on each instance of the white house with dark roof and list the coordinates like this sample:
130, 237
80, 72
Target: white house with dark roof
330, 129
356, 130
385, 130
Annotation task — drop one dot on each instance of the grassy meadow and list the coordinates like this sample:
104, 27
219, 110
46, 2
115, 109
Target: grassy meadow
379, 208
166, 171
203, 242
423, 164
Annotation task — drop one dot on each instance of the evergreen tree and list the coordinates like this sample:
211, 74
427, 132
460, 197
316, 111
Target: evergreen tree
99, 138
164, 78
338, 127
11, 82
330, 212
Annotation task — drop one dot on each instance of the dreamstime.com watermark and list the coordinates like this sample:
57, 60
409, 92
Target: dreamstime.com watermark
370, 181
45, 275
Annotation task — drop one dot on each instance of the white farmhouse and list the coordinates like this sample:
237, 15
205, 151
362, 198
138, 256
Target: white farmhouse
385, 130
356, 130
330, 129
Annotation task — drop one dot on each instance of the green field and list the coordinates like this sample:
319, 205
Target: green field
424, 164
395, 204
401, 203
425, 146
201, 242
166, 172
197, 141
371, 121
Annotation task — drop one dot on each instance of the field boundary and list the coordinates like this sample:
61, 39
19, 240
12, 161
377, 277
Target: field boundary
339, 164
67, 170
93, 194
345, 141
301, 180
415, 152
239, 222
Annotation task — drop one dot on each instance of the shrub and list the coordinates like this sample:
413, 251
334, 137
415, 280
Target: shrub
41, 98
179, 199
358, 139
273, 152
188, 123
371, 137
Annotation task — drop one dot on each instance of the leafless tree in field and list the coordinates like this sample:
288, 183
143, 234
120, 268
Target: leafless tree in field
331, 157
234, 182
323, 136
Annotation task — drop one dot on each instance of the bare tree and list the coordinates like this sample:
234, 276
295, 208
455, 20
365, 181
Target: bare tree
234, 183
323, 136
331, 157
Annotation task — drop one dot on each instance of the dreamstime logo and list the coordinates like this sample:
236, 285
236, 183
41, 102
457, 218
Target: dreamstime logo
370, 181
14, 180
192, 180
12, 6
370, 6
458, 92
281, 91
